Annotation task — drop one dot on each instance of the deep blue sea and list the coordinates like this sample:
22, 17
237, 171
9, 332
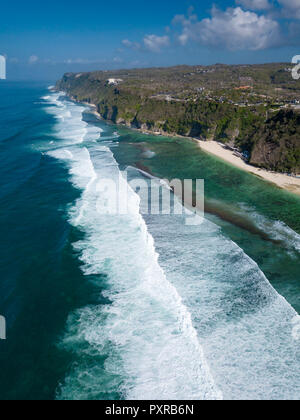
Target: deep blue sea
137, 306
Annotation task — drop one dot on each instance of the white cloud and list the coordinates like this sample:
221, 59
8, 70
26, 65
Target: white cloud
33, 59
151, 43
291, 8
155, 43
233, 29
77, 61
133, 45
84, 61
292, 4
127, 43
255, 4
254, 25
118, 60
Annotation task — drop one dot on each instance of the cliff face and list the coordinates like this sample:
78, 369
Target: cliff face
137, 108
276, 145
272, 144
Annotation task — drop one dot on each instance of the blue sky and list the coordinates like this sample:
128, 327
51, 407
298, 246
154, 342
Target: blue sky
42, 40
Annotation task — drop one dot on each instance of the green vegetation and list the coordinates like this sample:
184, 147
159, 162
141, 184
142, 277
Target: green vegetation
276, 144
252, 108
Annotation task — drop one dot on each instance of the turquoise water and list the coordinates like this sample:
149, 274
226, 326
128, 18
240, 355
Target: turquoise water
262, 219
132, 306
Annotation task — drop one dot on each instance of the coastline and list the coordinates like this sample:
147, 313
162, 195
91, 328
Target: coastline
282, 181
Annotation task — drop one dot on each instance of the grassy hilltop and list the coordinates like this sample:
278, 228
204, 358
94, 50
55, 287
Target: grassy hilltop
253, 108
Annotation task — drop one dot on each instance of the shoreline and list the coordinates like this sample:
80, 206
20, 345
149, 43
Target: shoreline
283, 181
214, 148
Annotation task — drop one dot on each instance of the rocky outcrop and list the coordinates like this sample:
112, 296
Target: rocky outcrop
276, 145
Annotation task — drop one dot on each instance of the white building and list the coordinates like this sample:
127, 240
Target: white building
114, 82
2, 67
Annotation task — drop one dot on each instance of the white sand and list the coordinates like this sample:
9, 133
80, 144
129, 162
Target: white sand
283, 181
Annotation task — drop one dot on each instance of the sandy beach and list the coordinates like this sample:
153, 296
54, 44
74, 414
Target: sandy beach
289, 183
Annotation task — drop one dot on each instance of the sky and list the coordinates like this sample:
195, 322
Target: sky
41, 40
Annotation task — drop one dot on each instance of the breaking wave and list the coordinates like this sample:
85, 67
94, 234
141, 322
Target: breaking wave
183, 312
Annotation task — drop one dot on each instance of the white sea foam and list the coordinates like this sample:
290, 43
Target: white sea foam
148, 154
245, 327
277, 230
70, 127
146, 332
194, 318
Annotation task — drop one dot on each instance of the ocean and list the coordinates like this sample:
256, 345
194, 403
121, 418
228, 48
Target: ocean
137, 305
